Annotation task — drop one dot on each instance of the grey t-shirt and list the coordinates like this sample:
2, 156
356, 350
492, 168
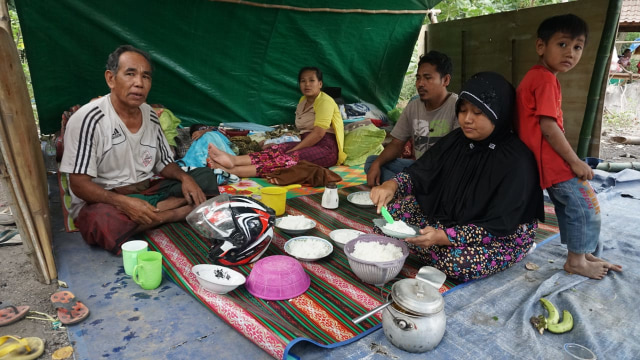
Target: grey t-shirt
426, 127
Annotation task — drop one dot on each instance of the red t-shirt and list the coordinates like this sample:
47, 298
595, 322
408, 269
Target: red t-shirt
539, 95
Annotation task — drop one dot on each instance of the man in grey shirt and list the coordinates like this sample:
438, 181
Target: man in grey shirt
425, 119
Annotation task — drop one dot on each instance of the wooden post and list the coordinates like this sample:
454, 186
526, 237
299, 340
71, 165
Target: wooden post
5, 20
22, 164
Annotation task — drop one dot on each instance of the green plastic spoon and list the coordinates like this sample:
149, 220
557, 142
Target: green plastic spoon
386, 215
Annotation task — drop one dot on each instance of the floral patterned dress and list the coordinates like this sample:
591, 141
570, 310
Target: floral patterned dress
474, 252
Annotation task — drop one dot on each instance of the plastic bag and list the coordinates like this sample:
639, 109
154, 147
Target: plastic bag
198, 152
363, 142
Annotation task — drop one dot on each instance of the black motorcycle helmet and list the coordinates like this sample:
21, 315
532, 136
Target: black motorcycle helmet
241, 228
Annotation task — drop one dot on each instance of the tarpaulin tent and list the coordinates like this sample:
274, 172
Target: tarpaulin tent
221, 60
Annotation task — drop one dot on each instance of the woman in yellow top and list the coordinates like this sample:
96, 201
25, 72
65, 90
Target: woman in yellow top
322, 131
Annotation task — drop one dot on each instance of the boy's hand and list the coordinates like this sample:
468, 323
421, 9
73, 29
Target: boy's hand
582, 170
552, 133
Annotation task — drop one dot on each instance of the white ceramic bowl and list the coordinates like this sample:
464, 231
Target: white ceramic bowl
342, 236
323, 244
217, 279
310, 225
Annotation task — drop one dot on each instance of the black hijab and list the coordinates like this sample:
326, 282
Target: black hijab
492, 183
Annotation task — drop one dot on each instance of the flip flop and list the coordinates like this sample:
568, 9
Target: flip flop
10, 314
16, 348
70, 310
6, 217
10, 237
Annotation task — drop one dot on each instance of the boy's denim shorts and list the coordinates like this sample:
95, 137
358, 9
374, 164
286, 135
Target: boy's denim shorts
578, 213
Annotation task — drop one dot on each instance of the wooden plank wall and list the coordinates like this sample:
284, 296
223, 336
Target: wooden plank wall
505, 43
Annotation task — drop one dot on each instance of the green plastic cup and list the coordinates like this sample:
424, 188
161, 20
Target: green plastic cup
130, 251
148, 272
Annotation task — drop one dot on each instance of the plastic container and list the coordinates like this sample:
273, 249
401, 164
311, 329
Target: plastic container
277, 277
371, 272
49, 153
330, 199
579, 352
593, 161
275, 197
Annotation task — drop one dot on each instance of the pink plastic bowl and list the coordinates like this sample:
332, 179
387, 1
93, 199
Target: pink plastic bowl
277, 277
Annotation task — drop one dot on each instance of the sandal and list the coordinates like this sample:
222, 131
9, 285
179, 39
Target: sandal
70, 310
10, 237
16, 348
6, 217
10, 314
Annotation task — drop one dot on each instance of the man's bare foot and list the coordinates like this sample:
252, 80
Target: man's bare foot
578, 264
217, 165
221, 157
614, 267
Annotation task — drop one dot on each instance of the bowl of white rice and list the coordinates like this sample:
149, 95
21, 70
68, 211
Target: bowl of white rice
308, 248
342, 236
376, 259
361, 198
295, 225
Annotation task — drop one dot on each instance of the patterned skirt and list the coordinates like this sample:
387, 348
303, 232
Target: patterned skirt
474, 252
324, 153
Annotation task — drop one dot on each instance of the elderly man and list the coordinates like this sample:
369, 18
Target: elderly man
113, 148
425, 119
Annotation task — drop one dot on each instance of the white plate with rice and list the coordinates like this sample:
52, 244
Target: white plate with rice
361, 198
308, 248
342, 236
382, 224
295, 225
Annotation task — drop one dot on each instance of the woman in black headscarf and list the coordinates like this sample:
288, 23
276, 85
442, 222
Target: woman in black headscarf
475, 194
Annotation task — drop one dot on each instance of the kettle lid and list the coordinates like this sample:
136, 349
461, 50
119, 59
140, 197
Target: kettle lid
417, 296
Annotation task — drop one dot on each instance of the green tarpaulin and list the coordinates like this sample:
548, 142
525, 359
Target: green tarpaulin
218, 61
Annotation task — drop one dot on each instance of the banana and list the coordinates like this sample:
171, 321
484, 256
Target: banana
564, 326
554, 315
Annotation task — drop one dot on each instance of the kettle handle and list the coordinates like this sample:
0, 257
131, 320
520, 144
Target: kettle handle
375, 310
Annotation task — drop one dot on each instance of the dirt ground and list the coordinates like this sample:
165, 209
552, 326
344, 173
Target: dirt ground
19, 284
616, 152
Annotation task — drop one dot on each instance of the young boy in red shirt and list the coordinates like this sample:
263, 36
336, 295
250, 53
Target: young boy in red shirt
560, 42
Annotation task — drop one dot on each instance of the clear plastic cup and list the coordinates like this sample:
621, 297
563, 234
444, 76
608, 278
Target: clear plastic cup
577, 351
